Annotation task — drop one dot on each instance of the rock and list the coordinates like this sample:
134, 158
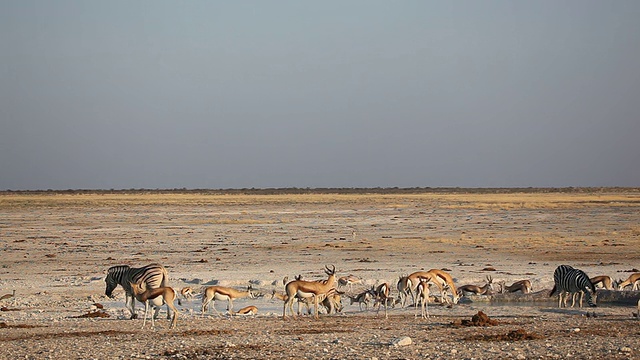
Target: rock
625, 349
402, 341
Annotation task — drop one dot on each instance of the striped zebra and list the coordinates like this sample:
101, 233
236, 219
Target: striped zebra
153, 275
570, 281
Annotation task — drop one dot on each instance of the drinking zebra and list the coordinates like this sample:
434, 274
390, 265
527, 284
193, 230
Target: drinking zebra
153, 275
569, 281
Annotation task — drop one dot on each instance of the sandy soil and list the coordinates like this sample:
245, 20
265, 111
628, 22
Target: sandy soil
56, 248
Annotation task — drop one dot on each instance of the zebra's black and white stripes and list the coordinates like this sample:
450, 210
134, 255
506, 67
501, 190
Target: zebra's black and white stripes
153, 275
569, 281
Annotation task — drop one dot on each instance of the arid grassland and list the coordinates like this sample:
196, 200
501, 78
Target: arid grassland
55, 249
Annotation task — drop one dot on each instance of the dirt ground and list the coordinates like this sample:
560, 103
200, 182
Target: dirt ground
55, 249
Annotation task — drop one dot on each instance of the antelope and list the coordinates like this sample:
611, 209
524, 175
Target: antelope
523, 285
603, 280
364, 297
284, 298
438, 277
382, 297
247, 311
404, 288
278, 295
145, 295
187, 292
213, 293
477, 290
333, 301
306, 289
348, 281
423, 298
631, 280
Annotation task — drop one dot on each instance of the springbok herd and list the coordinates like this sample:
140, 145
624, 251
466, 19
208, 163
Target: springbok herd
326, 293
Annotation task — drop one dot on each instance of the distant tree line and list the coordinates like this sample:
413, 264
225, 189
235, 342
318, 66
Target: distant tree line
296, 190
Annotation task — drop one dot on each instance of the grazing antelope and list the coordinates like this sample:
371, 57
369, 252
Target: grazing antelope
423, 298
404, 289
382, 297
348, 281
145, 295
603, 280
441, 278
523, 285
247, 311
477, 290
330, 301
187, 292
364, 297
633, 279
278, 295
222, 293
307, 289
333, 301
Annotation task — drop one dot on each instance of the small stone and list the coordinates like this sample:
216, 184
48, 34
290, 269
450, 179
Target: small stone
625, 349
521, 357
403, 341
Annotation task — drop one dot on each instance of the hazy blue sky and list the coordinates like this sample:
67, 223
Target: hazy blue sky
234, 94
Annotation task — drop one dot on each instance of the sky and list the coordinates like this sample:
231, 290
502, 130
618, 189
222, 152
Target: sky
270, 94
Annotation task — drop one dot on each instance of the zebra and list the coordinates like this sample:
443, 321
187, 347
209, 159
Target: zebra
153, 275
569, 280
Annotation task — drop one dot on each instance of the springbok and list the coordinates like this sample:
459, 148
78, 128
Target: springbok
348, 281
477, 290
145, 295
306, 289
423, 298
187, 292
382, 297
523, 285
633, 279
222, 293
603, 280
247, 311
404, 289
333, 301
364, 297
440, 278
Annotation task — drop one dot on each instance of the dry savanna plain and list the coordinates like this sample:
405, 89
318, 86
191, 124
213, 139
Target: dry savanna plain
56, 247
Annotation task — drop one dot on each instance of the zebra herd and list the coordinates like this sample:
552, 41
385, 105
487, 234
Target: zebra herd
568, 281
